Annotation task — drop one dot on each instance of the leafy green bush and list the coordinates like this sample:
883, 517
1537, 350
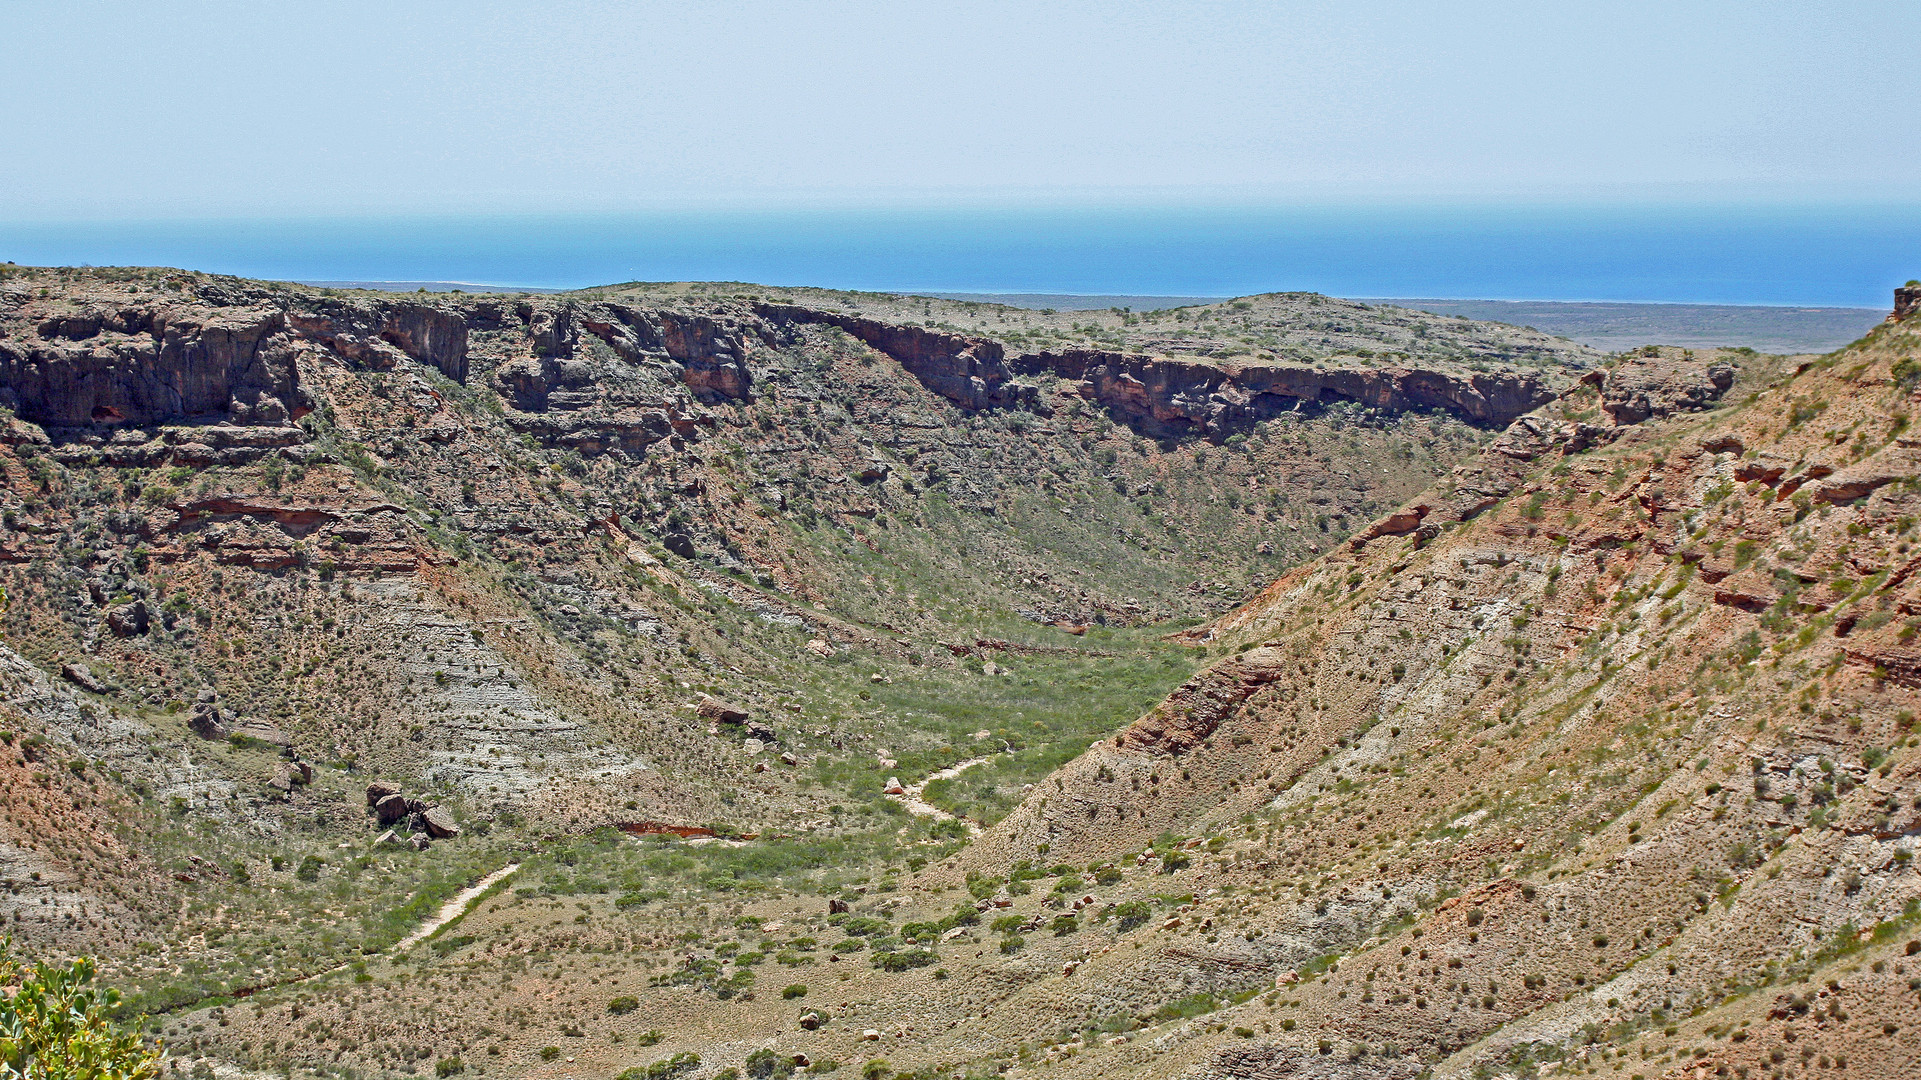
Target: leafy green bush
54, 1023
623, 1005
794, 991
446, 1067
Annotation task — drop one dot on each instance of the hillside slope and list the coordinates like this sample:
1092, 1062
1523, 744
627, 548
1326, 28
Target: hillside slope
1598, 754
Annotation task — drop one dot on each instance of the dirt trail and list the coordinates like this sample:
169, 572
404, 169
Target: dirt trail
916, 805
454, 908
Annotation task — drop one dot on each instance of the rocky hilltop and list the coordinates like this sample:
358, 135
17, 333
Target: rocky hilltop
798, 680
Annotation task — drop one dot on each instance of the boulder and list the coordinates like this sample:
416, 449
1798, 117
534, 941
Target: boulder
390, 809
837, 907
263, 732
893, 787
440, 823
758, 730
282, 781
811, 1020
129, 620
420, 842
205, 719
300, 771
820, 648
712, 708
377, 791
386, 838
82, 678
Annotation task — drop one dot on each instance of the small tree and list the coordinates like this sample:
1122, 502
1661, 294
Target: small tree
54, 1023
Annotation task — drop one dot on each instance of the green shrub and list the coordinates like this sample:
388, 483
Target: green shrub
763, 1064
549, 1053
623, 1005
1134, 913
446, 1067
794, 991
1013, 943
904, 960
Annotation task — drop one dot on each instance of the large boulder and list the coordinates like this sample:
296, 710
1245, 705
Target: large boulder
83, 678
712, 708
129, 620
390, 809
377, 791
205, 719
440, 823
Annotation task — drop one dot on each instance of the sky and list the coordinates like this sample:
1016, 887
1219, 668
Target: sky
158, 110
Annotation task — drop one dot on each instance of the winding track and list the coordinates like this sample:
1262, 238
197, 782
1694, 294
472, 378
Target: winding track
916, 805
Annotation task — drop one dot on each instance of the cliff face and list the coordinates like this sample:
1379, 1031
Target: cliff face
1181, 397
145, 365
603, 375
1164, 397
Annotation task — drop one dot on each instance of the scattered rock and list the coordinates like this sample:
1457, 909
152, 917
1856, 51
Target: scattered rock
893, 787
387, 837
789, 759
758, 730
870, 1035
820, 648
420, 842
837, 907
811, 1020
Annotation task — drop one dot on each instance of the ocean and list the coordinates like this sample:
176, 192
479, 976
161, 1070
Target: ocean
1833, 255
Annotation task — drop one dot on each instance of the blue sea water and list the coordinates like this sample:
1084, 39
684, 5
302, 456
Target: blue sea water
1834, 255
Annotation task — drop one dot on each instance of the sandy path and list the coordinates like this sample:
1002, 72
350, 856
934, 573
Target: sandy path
454, 908
917, 805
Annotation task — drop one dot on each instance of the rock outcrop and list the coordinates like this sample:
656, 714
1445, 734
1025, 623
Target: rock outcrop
1907, 301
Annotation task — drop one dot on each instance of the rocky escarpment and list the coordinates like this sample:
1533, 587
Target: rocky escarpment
1182, 397
599, 375
1164, 397
221, 353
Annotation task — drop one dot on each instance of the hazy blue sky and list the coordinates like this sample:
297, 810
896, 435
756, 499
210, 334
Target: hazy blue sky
145, 109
